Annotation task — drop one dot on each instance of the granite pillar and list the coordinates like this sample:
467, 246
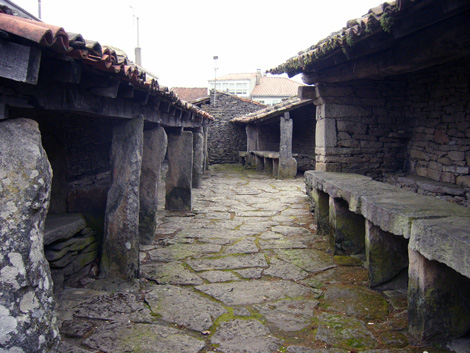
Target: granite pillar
154, 150
251, 144
287, 164
198, 157
27, 319
120, 257
179, 177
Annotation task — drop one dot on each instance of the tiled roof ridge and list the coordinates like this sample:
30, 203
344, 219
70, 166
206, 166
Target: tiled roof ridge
377, 18
285, 105
103, 58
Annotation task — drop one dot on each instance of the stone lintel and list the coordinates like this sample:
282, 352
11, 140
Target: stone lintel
179, 177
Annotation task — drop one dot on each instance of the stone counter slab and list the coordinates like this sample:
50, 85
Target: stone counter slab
445, 240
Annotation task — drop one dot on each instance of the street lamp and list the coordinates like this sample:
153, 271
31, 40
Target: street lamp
215, 78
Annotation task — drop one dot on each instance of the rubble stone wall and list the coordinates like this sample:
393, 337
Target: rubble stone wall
269, 137
361, 127
438, 106
224, 139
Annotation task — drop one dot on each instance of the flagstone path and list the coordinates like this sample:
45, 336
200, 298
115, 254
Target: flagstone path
243, 272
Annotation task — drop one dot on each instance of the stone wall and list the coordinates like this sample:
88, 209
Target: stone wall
269, 136
224, 139
361, 127
416, 123
438, 106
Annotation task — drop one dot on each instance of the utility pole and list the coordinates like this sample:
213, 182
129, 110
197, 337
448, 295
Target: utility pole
138, 49
215, 78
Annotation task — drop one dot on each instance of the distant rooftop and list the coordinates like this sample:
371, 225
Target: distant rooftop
190, 94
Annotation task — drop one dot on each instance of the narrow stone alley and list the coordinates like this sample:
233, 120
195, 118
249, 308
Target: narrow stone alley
243, 272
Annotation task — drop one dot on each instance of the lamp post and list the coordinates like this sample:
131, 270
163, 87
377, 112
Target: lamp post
39, 9
215, 78
138, 50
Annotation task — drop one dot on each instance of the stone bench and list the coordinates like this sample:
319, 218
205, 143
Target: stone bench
267, 161
396, 229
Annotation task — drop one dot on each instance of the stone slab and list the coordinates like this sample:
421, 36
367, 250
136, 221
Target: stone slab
288, 315
247, 336
63, 226
121, 337
247, 293
228, 262
284, 270
310, 260
183, 307
169, 273
446, 240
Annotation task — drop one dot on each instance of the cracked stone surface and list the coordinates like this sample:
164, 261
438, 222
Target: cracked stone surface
243, 272
183, 307
245, 336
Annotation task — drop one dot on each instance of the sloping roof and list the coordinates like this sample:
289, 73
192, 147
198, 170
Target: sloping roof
238, 97
103, 58
190, 94
272, 111
242, 76
378, 18
276, 87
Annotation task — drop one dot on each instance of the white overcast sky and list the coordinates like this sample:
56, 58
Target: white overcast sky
179, 38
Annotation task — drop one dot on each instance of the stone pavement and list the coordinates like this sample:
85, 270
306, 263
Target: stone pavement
243, 272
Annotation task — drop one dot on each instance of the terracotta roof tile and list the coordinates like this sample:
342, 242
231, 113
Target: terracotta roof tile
276, 86
190, 94
377, 19
91, 53
272, 111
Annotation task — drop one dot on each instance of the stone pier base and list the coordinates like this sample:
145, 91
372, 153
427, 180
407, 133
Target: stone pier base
386, 253
154, 150
179, 178
347, 229
438, 299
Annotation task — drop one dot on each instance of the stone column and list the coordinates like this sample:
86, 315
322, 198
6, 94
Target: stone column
206, 153
347, 229
120, 257
198, 157
386, 253
27, 319
251, 143
438, 300
179, 178
325, 140
154, 150
287, 164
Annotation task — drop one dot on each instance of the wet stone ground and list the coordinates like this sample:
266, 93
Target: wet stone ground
244, 272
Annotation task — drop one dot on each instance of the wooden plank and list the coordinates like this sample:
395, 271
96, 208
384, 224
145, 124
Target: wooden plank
19, 62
